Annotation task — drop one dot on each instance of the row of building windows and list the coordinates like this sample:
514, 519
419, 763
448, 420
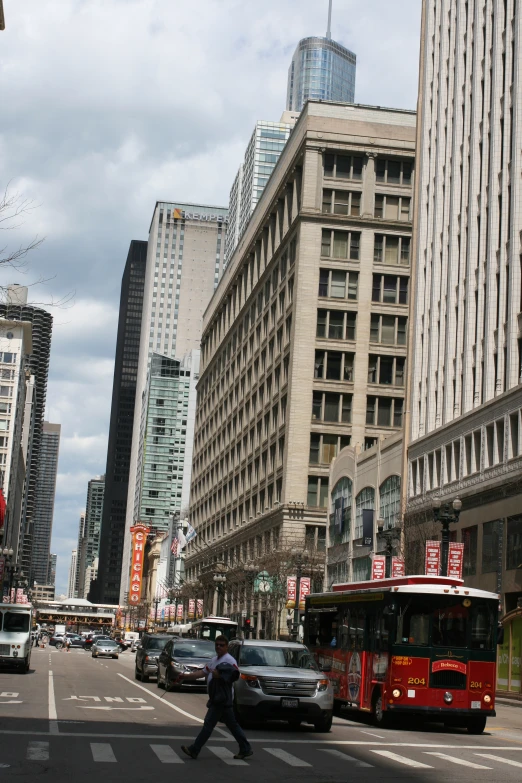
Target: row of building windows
388, 249
387, 171
348, 203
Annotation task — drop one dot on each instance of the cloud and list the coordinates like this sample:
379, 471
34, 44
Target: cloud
110, 105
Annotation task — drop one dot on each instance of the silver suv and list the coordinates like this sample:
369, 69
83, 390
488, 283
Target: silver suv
280, 681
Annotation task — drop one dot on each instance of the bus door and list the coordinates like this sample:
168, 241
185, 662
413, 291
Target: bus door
376, 657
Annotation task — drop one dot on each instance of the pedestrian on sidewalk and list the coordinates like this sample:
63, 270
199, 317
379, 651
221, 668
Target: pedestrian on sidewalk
221, 673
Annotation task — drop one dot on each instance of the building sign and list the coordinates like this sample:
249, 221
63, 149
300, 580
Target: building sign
181, 214
291, 591
367, 520
397, 567
139, 539
379, 567
432, 558
455, 559
304, 590
199, 607
191, 608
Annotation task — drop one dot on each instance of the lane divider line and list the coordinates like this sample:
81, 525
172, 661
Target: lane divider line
53, 717
172, 706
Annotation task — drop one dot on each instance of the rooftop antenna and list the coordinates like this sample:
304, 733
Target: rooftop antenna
329, 30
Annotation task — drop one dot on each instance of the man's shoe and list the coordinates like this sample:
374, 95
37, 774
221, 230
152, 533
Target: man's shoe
244, 754
189, 752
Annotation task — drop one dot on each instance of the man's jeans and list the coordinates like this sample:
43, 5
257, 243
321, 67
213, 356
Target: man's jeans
225, 714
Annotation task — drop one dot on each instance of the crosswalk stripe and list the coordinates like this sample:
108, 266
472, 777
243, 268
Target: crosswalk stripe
401, 759
102, 751
499, 758
455, 760
38, 751
344, 756
293, 761
227, 756
166, 755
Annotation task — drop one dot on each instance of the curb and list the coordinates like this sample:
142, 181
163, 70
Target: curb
510, 702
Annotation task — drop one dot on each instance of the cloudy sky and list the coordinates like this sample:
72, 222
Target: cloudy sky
110, 105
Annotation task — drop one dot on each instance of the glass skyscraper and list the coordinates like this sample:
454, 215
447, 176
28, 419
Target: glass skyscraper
321, 70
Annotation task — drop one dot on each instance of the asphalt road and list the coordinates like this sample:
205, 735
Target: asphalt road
74, 717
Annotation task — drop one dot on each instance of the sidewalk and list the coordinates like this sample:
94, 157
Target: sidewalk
513, 699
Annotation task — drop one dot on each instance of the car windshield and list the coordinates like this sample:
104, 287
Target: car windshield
293, 657
107, 643
196, 649
16, 622
157, 644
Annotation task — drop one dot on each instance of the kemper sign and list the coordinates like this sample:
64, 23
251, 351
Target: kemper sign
139, 538
181, 214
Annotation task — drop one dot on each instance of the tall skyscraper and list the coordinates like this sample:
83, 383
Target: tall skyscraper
71, 584
51, 574
43, 514
184, 262
465, 396
304, 343
80, 555
90, 535
107, 586
15, 308
321, 70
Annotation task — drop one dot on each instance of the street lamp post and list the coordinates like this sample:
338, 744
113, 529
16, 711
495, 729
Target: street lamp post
300, 558
250, 571
390, 540
220, 581
446, 514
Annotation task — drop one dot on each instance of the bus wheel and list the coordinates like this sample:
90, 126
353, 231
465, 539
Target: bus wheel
380, 717
476, 725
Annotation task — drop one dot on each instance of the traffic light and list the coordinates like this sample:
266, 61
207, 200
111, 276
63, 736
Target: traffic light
247, 627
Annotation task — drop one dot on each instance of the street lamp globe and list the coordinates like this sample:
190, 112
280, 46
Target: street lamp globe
436, 502
457, 504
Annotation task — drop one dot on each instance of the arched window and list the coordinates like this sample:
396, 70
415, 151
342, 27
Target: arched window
390, 501
341, 512
364, 500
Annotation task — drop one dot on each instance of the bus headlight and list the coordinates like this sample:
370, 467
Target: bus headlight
396, 693
448, 697
487, 698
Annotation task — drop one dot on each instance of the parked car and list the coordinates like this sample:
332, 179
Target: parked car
91, 640
183, 655
58, 640
280, 681
152, 645
105, 648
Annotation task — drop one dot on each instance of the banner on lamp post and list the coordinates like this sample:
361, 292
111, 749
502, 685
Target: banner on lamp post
397, 567
455, 559
179, 613
304, 590
379, 567
291, 591
199, 607
432, 558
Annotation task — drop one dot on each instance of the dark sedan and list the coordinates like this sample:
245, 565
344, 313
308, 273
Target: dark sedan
59, 641
88, 643
184, 655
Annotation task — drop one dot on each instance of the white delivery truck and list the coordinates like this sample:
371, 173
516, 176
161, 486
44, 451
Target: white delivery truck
15, 635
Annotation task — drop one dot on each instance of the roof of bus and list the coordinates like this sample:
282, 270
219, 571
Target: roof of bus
435, 585
212, 619
27, 607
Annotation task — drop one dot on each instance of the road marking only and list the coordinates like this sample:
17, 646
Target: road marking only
402, 759
53, 717
293, 761
455, 760
102, 751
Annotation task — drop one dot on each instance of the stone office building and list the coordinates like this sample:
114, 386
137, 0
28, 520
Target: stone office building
304, 341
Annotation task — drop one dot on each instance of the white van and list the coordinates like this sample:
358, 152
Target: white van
15, 635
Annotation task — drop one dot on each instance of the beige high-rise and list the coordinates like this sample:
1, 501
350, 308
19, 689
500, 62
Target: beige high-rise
304, 341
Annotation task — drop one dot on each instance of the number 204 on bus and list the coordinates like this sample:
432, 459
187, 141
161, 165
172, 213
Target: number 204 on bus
414, 645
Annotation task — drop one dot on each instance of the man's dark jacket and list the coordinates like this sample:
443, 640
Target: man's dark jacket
220, 692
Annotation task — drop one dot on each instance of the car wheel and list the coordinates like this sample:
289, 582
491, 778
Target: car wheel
58, 645
476, 725
159, 683
145, 677
137, 675
324, 724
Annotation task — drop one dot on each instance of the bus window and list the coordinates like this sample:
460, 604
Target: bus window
482, 626
359, 621
323, 628
381, 634
344, 629
413, 627
449, 626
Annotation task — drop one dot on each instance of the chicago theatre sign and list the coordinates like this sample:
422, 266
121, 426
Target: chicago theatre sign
139, 538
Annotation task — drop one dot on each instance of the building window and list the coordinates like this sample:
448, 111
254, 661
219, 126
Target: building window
390, 501
324, 448
392, 207
384, 411
340, 244
341, 512
364, 500
343, 166
469, 538
342, 202
393, 172
362, 569
337, 284
317, 491
514, 542
334, 365
386, 370
390, 289
329, 406
393, 250
388, 329
491, 532
336, 324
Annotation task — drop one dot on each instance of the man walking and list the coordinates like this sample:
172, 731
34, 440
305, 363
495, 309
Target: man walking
221, 672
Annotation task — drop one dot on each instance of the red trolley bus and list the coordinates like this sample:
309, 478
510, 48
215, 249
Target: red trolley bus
410, 645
